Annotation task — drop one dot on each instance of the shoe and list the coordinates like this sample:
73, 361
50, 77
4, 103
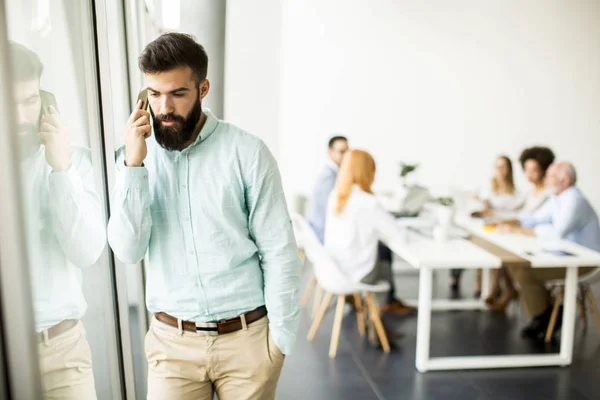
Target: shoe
535, 328
538, 325
501, 305
492, 298
397, 307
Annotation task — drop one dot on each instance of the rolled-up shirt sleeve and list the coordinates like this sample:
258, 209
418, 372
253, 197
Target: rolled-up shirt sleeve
543, 216
271, 228
130, 223
78, 220
562, 222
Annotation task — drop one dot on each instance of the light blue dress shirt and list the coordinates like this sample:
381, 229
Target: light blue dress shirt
317, 206
66, 231
566, 216
214, 223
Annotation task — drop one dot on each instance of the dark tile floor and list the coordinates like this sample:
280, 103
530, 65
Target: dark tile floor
363, 372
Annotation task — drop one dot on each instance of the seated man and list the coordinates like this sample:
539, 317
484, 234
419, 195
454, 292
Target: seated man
317, 206
566, 215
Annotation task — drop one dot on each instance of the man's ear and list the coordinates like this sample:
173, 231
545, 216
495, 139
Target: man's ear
204, 88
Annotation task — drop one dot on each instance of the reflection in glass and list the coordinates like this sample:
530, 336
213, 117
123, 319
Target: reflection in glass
65, 229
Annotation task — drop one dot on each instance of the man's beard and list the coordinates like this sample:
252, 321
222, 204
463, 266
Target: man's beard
28, 141
176, 137
554, 189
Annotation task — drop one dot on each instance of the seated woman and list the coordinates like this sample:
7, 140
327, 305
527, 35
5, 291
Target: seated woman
356, 223
535, 162
501, 196
499, 199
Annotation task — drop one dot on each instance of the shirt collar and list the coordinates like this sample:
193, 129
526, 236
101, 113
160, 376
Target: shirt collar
332, 165
210, 125
567, 191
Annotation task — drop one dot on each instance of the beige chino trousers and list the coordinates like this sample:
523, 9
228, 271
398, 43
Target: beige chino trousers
242, 365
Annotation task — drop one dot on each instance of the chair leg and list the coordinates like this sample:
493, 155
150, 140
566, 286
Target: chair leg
360, 314
581, 305
337, 326
557, 302
317, 300
319, 317
374, 312
371, 334
593, 307
308, 291
302, 256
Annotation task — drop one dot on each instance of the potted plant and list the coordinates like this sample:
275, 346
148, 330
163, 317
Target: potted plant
403, 188
445, 210
405, 170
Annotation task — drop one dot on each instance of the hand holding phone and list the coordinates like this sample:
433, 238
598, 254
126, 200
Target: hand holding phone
143, 97
55, 136
137, 130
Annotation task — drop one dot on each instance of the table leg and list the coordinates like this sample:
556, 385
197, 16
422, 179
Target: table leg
424, 318
485, 283
569, 314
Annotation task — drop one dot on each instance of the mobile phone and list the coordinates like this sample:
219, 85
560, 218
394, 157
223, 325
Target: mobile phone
143, 96
48, 100
562, 253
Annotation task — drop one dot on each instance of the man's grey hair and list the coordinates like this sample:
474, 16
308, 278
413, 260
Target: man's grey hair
568, 170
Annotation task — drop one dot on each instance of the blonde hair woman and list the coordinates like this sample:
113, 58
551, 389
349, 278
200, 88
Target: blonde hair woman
356, 223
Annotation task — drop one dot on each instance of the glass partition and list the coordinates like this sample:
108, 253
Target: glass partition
56, 106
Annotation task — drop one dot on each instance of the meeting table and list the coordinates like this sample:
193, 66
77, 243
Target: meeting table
488, 250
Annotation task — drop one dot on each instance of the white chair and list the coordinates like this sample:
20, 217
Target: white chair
297, 221
585, 291
334, 282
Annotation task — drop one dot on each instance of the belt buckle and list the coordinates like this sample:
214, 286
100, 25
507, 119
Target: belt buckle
204, 328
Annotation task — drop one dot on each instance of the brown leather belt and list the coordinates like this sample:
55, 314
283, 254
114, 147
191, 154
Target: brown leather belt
220, 328
58, 329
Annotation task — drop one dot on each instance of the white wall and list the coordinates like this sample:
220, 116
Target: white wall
252, 68
447, 84
205, 20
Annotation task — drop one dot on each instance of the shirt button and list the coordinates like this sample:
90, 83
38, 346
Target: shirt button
184, 186
191, 252
187, 219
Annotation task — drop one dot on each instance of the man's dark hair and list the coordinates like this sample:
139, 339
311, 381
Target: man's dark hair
542, 155
174, 50
26, 64
335, 139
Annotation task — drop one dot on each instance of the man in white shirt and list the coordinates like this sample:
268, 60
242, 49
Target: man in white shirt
566, 215
65, 231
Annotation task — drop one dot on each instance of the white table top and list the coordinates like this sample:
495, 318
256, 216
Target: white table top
532, 248
421, 251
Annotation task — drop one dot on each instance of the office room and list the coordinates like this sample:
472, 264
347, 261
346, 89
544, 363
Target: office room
300, 199
447, 87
